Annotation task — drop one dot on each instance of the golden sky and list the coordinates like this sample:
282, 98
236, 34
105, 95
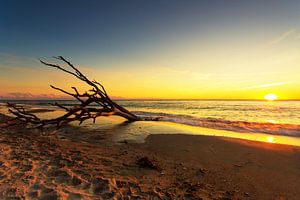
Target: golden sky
196, 50
190, 71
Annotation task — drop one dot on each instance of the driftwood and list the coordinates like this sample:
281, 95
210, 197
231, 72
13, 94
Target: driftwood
102, 105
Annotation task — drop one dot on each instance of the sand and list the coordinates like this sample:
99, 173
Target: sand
78, 163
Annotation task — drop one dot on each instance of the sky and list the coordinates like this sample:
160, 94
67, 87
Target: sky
201, 49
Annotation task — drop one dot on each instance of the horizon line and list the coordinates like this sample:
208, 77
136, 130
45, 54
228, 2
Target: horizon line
153, 99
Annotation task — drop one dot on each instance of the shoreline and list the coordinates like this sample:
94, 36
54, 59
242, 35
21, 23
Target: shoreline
170, 127
80, 162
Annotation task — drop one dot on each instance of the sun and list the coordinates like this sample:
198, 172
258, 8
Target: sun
271, 97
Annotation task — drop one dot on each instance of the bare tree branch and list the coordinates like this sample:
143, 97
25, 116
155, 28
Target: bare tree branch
92, 104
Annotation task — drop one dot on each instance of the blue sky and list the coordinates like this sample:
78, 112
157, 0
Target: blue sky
175, 35
109, 28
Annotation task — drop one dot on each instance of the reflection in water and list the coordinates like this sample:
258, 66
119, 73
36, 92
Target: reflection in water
270, 139
261, 137
138, 131
277, 118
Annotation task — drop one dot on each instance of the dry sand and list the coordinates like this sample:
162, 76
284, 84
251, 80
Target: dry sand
63, 166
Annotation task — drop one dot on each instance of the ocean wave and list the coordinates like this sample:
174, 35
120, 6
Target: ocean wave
237, 126
256, 118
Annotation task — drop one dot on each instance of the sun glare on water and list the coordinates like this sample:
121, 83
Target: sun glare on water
271, 97
270, 139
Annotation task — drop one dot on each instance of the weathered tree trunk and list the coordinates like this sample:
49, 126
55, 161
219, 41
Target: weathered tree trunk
80, 112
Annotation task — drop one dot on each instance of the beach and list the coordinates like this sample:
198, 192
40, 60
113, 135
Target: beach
154, 100
78, 162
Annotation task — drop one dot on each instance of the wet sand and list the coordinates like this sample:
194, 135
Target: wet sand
80, 163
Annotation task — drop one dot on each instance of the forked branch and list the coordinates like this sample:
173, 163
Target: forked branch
91, 104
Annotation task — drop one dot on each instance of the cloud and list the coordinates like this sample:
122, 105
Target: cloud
28, 95
265, 85
281, 37
11, 59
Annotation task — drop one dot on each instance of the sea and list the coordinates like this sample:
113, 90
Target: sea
270, 117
